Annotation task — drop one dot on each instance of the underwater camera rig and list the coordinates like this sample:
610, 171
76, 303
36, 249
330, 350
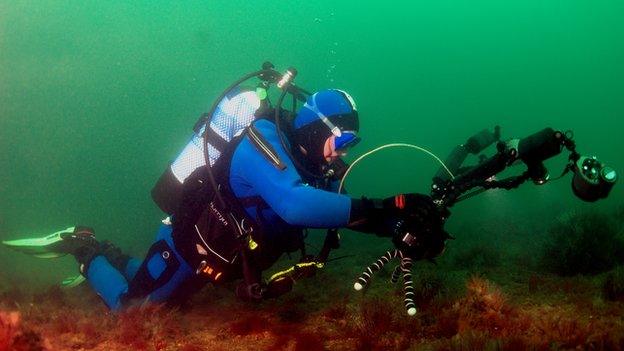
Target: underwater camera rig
418, 237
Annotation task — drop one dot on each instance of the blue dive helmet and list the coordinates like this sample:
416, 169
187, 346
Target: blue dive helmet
326, 112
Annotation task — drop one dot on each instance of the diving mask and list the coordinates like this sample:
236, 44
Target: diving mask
345, 140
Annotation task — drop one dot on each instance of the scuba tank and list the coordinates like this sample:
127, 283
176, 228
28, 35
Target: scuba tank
234, 112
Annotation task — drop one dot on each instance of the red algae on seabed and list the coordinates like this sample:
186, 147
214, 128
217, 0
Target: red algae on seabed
483, 316
9, 325
14, 338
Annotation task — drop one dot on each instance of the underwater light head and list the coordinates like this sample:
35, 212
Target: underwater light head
592, 179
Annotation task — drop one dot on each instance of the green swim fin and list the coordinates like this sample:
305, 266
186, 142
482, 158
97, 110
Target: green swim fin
53, 245
57, 244
71, 282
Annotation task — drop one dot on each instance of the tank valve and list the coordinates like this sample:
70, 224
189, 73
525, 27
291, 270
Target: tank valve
287, 78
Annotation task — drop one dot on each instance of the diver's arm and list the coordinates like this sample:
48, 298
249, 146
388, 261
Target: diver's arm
283, 190
302, 205
367, 215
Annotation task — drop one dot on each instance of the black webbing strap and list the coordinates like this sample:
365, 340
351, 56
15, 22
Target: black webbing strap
200, 122
216, 140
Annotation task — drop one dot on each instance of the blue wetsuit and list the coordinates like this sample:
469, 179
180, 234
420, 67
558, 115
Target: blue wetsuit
286, 205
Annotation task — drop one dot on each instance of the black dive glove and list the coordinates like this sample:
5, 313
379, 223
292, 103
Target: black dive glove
380, 216
413, 221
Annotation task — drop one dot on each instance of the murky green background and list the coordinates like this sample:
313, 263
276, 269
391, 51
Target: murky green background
97, 96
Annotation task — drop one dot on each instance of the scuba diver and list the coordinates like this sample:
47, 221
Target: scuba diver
271, 195
255, 176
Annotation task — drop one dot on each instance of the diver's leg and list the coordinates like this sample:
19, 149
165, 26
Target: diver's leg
162, 271
103, 264
109, 271
119, 278
107, 282
106, 268
131, 268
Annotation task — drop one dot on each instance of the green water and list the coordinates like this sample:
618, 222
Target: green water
96, 97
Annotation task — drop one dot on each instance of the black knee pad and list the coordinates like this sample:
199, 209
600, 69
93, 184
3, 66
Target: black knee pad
157, 269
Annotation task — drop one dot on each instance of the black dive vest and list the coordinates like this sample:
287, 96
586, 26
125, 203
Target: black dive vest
203, 230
